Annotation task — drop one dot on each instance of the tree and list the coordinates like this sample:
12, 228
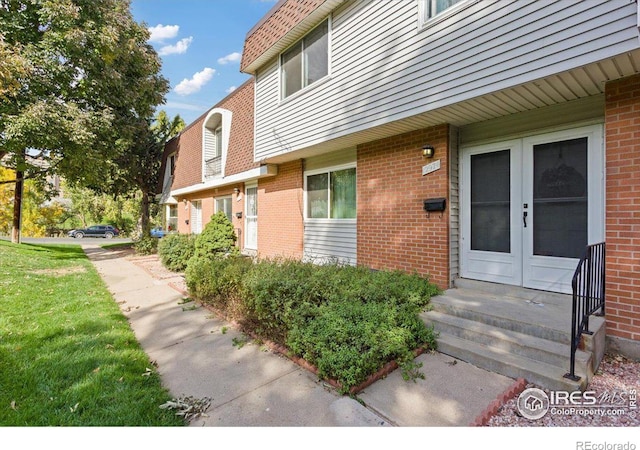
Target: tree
78, 77
139, 168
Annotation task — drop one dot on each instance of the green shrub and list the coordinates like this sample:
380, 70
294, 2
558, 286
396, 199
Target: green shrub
218, 282
175, 250
348, 341
217, 239
348, 321
146, 246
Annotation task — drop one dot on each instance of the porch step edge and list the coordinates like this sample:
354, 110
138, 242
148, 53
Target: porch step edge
508, 364
507, 323
522, 344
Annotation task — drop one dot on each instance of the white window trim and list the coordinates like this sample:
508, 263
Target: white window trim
225, 124
308, 173
322, 80
424, 22
223, 197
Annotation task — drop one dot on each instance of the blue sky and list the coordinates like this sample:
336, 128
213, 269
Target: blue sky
200, 43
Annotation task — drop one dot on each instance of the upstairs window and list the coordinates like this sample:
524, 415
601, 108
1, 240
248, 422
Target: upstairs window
213, 152
432, 8
307, 61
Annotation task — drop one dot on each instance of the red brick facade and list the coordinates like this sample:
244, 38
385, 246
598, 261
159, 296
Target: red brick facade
280, 212
622, 119
240, 153
282, 19
394, 231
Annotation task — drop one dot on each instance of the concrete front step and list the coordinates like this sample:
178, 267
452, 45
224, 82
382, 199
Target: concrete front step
527, 345
508, 364
515, 332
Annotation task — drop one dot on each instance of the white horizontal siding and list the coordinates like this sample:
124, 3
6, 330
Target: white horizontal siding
385, 69
330, 240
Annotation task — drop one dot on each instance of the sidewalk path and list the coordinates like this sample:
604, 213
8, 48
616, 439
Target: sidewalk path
195, 355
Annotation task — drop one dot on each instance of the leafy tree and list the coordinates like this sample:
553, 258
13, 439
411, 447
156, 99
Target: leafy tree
78, 78
139, 168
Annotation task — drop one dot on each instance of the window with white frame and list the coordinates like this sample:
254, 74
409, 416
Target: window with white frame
307, 61
431, 8
213, 152
331, 194
172, 218
224, 204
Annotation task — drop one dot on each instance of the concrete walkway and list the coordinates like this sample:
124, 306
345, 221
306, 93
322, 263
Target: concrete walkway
197, 354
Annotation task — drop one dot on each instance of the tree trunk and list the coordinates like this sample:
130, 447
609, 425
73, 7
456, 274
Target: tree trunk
16, 230
144, 215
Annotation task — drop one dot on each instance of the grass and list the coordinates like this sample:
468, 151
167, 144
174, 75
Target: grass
67, 354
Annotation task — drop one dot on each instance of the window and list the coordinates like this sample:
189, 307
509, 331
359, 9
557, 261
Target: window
307, 61
224, 204
213, 153
332, 195
172, 218
431, 8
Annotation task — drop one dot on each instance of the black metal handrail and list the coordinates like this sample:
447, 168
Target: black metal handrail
588, 297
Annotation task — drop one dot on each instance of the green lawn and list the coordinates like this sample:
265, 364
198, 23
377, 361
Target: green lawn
67, 354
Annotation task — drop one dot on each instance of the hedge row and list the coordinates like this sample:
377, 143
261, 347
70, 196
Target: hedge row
347, 321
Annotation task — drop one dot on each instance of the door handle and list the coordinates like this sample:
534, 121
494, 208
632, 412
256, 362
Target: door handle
524, 218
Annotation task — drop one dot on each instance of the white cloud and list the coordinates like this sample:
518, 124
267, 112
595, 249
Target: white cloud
199, 79
230, 58
161, 32
180, 47
231, 89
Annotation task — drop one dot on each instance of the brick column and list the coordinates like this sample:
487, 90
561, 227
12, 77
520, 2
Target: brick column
622, 123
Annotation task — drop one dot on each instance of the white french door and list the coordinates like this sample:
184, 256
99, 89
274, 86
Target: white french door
530, 206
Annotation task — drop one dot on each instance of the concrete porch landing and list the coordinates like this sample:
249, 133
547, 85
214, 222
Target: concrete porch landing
515, 332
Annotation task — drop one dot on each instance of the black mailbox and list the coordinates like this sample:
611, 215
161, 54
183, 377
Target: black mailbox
435, 204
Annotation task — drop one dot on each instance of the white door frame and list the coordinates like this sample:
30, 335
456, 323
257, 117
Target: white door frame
520, 267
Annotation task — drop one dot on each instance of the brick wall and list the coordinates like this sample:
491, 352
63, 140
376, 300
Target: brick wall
240, 151
393, 229
208, 209
280, 214
622, 124
188, 149
282, 19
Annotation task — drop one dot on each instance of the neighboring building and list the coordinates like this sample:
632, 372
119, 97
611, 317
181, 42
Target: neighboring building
532, 109
209, 167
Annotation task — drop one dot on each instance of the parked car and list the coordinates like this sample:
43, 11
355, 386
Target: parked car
101, 231
157, 232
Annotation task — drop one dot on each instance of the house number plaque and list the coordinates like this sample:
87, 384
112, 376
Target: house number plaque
431, 167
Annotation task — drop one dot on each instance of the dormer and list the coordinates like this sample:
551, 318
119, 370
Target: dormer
216, 129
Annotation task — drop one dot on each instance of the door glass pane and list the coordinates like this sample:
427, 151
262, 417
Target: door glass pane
318, 196
343, 194
491, 202
560, 198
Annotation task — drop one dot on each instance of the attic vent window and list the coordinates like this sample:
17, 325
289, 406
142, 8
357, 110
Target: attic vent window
307, 61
